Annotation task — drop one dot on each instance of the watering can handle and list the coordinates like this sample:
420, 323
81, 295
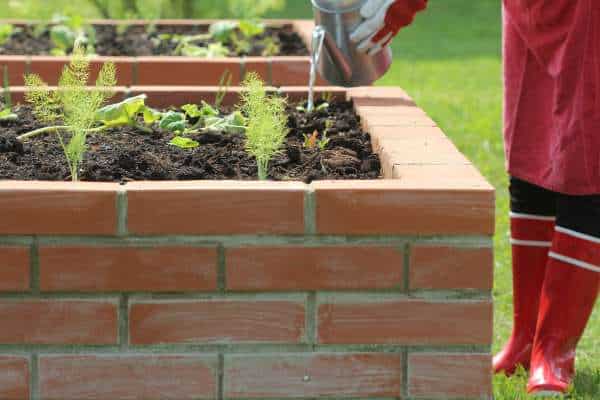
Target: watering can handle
323, 38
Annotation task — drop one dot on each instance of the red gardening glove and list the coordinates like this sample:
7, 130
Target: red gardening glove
383, 21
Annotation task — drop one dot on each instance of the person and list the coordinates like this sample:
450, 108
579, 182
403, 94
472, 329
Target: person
552, 142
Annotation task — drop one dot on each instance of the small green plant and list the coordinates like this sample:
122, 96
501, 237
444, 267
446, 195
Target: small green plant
7, 114
266, 123
313, 141
6, 32
66, 30
186, 46
72, 104
224, 85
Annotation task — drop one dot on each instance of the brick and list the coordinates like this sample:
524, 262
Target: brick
50, 68
391, 208
403, 134
443, 376
421, 152
128, 376
163, 70
312, 376
91, 322
14, 377
258, 65
404, 118
447, 267
216, 208
440, 176
290, 70
378, 96
58, 208
122, 269
217, 321
14, 269
16, 67
323, 268
405, 321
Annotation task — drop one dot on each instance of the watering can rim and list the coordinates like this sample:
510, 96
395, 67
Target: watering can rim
356, 7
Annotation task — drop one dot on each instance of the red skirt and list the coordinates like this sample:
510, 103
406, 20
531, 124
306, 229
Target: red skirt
552, 93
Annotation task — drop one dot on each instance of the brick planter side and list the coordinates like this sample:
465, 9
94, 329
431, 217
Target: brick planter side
174, 70
255, 290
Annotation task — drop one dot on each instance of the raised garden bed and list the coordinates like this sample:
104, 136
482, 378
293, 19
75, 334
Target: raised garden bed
144, 59
374, 288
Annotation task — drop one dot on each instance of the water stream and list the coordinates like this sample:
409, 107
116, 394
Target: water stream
318, 38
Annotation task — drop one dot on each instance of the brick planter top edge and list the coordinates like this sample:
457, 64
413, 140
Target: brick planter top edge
429, 187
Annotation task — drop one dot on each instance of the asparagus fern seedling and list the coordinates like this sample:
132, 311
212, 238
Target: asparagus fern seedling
266, 128
73, 104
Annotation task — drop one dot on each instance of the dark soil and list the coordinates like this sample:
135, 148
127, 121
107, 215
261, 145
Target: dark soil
125, 154
138, 40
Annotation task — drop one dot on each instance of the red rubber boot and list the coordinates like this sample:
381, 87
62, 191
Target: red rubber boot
531, 237
570, 290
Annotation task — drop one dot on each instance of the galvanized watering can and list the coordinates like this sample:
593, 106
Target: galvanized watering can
339, 62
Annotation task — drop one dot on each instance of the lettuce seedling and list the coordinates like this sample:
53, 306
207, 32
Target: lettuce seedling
66, 30
266, 123
73, 104
6, 32
126, 113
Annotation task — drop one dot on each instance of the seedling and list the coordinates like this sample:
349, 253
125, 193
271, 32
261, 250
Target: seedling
7, 114
320, 107
313, 141
6, 32
267, 123
66, 30
72, 104
186, 46
127, 113
224, 84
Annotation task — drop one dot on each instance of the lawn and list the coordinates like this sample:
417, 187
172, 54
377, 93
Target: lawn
450, 62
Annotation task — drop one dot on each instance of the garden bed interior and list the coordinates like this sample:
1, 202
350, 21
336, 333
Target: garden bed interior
375, 288
146, 68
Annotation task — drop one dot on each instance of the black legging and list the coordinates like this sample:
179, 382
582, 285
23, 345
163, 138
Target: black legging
578, 213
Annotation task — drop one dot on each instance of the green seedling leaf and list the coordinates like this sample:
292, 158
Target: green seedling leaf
8, 115
236, 123
191, 50
322, 107
241, 45
223, 31
6, 31
301, 109
151, 115
217, 50
184, 143
122, 113
207, 110
173, 121
192, 110
271, 47
250, 28
62, 37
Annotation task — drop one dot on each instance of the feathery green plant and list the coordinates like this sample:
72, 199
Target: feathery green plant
73, 104
266, 127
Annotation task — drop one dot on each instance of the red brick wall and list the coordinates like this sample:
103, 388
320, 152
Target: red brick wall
253, 290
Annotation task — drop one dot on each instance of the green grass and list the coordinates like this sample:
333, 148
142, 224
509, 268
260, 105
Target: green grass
450, 62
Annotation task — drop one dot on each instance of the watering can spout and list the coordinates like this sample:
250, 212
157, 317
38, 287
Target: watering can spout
339, 62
